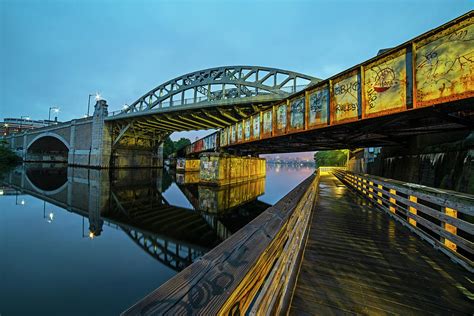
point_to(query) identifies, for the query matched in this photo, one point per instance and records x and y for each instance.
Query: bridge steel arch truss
(218, 97)
(229, 82)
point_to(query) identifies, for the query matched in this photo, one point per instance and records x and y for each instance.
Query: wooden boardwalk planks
(360, 261)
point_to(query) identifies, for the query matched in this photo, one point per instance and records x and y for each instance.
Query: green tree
(8, 158)
(331, 158)
(182, 142)
(168, 147)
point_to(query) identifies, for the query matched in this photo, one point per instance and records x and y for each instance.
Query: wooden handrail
(443, 218)
(251, 272)
(329, 169)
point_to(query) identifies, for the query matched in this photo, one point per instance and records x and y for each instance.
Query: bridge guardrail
(443, 218)
(327, 170)
(48, 127)
(178, 102)
(254, 271)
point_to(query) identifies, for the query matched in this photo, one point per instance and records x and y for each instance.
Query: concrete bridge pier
(442, 160)
(101, 142)
(222, 169)
(123, 144)
(134, 157)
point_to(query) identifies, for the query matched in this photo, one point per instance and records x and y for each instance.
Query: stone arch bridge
(133, 137)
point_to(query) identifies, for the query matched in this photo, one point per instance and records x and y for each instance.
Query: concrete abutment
(222, 169)
(444, 160)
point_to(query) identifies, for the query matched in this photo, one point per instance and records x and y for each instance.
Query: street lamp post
(97, 97)
(89, 104)
(55, 110)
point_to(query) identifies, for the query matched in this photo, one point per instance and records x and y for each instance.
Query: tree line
(332, 158)
(170, 146)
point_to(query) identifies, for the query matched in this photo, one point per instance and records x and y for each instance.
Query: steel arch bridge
(206, 99)
(221, 83)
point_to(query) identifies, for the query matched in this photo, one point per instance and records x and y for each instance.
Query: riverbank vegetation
(170, 146)
(8, 158)
(333, 158)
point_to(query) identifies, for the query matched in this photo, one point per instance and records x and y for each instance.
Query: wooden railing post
(450, 228)
(392, 200)
(379, 194)
(412, 209)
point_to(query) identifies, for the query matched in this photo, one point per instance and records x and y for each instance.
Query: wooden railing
(326, 170)
(254, 271)
(443, 218)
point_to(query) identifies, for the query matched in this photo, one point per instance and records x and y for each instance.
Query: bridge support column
(222, 169)
(443, 161)
(131, 148)
(72, 142)
(25, 143)
(187, 165)
(101, 145)
(133, 157)
(158, 161)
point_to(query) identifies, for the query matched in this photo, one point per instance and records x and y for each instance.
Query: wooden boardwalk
(358, 260)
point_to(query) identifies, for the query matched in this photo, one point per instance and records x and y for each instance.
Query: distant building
(16, 125)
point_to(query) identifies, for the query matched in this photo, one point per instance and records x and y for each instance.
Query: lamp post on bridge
(97, 98)
(55, 110)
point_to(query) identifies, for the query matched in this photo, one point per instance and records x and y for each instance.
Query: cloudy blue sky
(57, 52)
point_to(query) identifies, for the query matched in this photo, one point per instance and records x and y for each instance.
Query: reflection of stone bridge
(131, 201)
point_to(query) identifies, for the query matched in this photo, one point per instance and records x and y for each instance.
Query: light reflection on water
(84, 241)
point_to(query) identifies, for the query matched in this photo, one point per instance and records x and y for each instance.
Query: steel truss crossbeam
(229, 82)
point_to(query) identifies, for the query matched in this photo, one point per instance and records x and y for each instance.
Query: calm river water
(77, 241)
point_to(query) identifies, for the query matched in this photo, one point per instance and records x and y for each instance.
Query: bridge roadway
(358, 260)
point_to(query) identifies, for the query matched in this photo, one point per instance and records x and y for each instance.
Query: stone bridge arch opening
(47, 181)
(48, 148)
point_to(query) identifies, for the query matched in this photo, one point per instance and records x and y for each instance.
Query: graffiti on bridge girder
(445, 65)
(318, 106)
(385, 85)
(345, 98)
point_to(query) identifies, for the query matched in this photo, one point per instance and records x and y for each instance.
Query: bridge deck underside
(197, 117)
(390, 130)
(358, 260)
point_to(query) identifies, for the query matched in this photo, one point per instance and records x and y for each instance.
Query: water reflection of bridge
(225, 208)
(132, 201)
